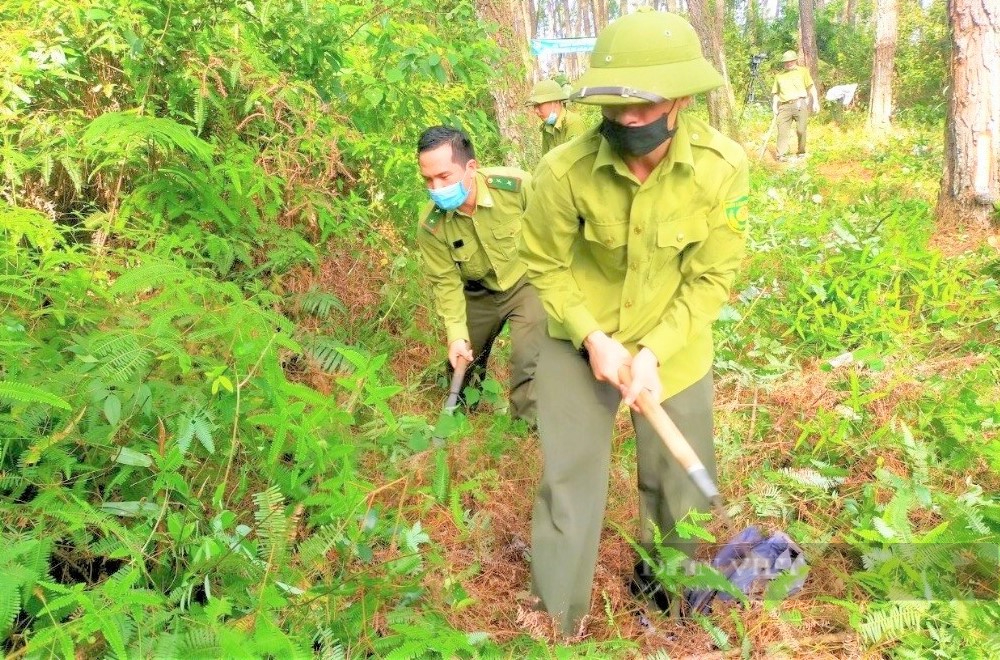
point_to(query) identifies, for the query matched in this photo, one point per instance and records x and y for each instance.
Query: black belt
(475, 286)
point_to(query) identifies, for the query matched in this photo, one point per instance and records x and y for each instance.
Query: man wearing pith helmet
(793, 93)
(559, 125)
(633, 236)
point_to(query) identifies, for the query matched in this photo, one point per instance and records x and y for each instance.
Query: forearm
(447, 288)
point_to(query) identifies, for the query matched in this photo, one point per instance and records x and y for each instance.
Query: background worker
(793, 94)
(469, 235)
(559, 124)
(633, 236)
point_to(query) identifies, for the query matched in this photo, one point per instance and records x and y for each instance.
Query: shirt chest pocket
(506, 238)
(607, 243)
(674, 237)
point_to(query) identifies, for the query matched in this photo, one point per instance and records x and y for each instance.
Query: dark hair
(461, 146)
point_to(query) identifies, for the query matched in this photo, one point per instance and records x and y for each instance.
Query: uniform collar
(483, 196)
(679, 152)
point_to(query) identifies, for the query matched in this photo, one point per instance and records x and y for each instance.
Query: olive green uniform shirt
(650, 264)
(792, 84)
(567, 126)
(457, 248)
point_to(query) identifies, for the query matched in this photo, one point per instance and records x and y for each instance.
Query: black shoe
(645, 585)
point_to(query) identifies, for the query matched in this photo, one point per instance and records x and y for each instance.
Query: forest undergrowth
(221, 378)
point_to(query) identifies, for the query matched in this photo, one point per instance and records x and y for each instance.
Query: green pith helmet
(645, 57)
(545, 91)
(789, 56)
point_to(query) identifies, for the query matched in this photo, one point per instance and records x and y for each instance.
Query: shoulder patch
(432, 219)
(737, 214)
(499, 182)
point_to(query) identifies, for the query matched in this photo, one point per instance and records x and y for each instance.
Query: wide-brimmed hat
(545, 91)
(648, 56)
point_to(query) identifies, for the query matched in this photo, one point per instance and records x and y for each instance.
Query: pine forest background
(220, 374)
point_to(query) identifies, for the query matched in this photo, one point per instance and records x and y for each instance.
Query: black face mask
(637, 140)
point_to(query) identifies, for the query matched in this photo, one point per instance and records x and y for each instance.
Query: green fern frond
(10, 600)
(168, 647)
(313, 551)
(272, 526)
(201, 643)
(327, 354)
(121, 356)
(120, 134)
(195, 424)
(151, 275)
(330, 647)
(894, 621)
(442, 476)
(25, 393)
(811, 478)
(320, 303)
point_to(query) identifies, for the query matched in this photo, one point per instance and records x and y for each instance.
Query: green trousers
(793, 114)
(575, 422)
(486, 314)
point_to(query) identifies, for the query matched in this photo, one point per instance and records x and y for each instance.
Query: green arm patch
(737, 214)
(508, 183)
(433, 221)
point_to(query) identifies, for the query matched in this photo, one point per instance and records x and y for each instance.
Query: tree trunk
(880, 109)
(970, 187)
(708, 18)
(509, 93)
(850, 15)
(807, 39)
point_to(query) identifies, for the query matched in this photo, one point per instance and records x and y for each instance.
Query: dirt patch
(838, 170)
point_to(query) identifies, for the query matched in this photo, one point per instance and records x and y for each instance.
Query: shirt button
(680, 236)
(628, 303)
(694, 136)
(638, 230)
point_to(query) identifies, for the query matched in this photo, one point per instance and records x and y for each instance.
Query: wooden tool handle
(672, 437)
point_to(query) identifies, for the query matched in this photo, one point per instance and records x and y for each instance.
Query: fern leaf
(328, 355)
(201, 643)
(24, 393)
(122, 133)
(313, 551)
(272, 526)
(193, 425)
(442, 476)
(320, 303)
(156, 274)
(894, 621)
(10, 601)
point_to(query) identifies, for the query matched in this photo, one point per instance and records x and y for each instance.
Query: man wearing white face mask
(559, 125)
(469, 236)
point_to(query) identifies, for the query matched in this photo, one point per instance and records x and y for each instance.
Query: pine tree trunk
(708, 18)
(509, 92)
(807, 39)
(880, 109)
(970, 187)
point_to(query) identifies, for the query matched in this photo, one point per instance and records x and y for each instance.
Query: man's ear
(684, 102)
(473, 165)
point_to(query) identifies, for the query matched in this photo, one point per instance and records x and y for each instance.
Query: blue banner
(562, 46)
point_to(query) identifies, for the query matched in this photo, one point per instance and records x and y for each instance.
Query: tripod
(757, 91)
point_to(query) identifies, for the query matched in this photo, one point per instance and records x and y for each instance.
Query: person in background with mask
(468, 236)
(559, 125)
(633, 236)
(793, 94)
